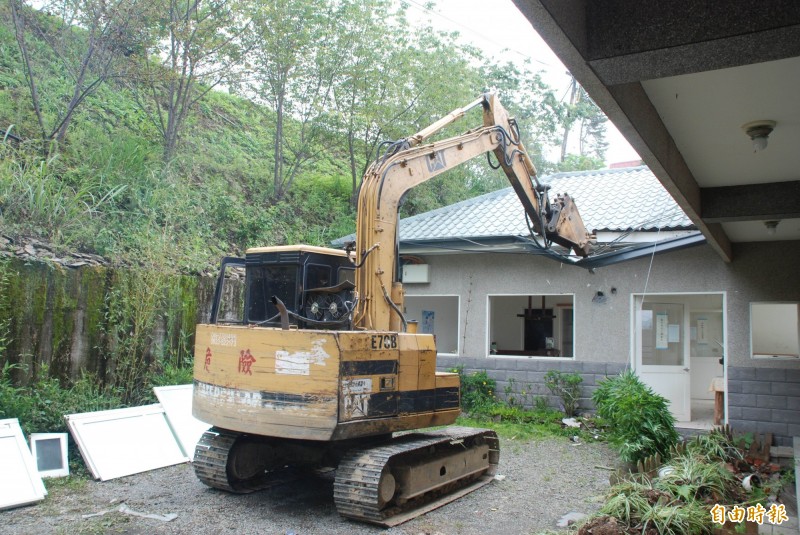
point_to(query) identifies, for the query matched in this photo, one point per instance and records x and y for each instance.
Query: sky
(497, 25)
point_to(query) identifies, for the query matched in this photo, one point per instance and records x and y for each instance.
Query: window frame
(559, 323)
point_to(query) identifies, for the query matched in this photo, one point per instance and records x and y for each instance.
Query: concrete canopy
(679, 80)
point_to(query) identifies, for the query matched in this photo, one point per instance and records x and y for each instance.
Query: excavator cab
(314, 284)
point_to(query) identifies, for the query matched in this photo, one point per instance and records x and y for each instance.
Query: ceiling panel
(704, 113)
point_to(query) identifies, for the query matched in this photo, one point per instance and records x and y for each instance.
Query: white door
(662, 353)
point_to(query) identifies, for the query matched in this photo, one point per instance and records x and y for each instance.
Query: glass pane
(347, 274)
(662, 334)
(231, 303)
(775, 330)
(318, 277)
(48, 455)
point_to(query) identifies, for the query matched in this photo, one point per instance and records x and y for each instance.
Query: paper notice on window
(674, 333)
(702, 331)
(662, 326)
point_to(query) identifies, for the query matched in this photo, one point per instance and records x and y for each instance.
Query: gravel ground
(543, 480)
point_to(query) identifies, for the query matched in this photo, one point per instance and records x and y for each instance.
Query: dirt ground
(539, 482)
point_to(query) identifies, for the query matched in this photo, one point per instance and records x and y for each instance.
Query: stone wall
(60, 317)
(765, 400)
(529, 374)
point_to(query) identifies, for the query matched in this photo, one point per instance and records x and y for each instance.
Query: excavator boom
(409, 164)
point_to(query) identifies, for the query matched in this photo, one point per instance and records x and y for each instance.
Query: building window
(531, 325)
(774, 329)
(436, 315)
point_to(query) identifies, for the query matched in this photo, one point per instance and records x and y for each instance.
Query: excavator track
(227, 460)
(415, 473)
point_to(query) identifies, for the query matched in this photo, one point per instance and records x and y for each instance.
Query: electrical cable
(650, 268)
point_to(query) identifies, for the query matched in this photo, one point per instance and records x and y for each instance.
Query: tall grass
(133, 309)
(32, 190)
(5, 310)
(41, 406)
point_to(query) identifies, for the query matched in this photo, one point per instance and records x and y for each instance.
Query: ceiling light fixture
(759, 131)
(771, 227)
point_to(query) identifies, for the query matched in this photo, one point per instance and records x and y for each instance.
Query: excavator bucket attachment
(566, 226)
(563, 224)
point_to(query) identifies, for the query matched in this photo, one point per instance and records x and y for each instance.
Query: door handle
(686, 369)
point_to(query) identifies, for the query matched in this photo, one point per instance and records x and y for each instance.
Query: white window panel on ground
(49, 450)
(122, 442)
(20, 483)
(177, 403)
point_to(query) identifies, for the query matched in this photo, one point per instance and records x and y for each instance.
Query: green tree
(369, 95)
(583, 112)
(88, 40)
(298, 53)
(535, 106)
(432, 76)
(193, 47)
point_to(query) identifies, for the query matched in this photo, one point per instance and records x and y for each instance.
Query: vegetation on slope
(101, 155)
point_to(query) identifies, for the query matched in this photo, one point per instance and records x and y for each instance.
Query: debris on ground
(570, 518)
(571, 422)
(169, 517)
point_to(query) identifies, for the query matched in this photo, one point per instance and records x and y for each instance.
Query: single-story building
(655, 298)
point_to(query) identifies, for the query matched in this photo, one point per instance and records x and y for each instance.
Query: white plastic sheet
(122, 442)
(20, 483)
(177, 403)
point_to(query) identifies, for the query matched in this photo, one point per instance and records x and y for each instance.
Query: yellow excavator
(315, 365)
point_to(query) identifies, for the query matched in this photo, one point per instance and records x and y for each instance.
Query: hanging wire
(650, 267)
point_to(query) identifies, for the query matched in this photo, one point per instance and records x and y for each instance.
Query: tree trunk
(19, 27)
(277, 180)
(568, 120)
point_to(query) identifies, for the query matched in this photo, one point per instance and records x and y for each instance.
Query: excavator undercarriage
(384, 481)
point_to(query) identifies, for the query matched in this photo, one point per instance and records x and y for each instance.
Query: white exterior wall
(602, 330)
(762, 395)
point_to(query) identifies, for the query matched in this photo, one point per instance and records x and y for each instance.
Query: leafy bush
(639, 419)
(169, 374)
(519, 394)
(477, 391)
(566, 386)
(41, 406)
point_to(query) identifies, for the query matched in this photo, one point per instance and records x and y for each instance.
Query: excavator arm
(409, 163)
